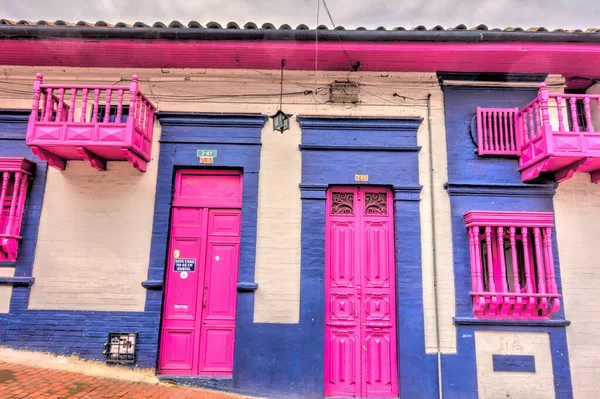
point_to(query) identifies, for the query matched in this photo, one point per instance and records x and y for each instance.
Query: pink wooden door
(198, 327)
(360, 321)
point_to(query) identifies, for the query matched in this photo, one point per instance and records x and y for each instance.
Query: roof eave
(458, 36)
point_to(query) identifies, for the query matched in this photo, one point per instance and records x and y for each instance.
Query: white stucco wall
(510, 384)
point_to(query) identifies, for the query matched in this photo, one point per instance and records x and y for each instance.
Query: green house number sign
(206, 156)
(206, 153)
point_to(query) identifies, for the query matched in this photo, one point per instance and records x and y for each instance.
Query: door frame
(395, 331)
(238, 205)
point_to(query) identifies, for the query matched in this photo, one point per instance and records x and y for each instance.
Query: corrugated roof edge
(215, 31)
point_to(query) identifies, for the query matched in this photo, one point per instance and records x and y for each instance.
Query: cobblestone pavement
(17, 381)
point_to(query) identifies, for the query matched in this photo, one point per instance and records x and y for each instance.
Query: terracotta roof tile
(270, 26)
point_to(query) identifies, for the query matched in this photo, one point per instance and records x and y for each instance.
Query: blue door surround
(334, 150)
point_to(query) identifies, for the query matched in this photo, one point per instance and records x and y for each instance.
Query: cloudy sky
(350, 13)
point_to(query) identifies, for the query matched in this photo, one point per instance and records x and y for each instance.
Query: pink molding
(573, 59)
(66, 124)
(15, 174)
(504, 218)
(518, 282)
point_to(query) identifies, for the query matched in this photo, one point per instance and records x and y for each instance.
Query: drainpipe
(434, 249)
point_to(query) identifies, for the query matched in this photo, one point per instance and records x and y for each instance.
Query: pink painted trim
(55, 136)
(557, 148)
(496, 131)
(571, 59)
(15, 172)
(501, 293)
(505, 219)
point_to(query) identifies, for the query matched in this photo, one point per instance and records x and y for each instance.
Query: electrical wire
(353, 67)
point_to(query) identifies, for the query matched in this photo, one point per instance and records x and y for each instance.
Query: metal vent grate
(120, 347)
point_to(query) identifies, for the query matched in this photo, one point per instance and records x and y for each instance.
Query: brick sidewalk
(18, 381)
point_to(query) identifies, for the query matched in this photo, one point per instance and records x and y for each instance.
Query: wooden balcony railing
(512, 264)
(558, 133)
(557, 137)
(93, 123)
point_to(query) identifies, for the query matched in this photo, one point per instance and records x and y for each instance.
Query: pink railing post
(588, 115)
(573, 102)
(49, 105)
(61, 101)
(561, 124)
(96, 105)
(73, 100)
(480, 134)
(119, 106)
(3, 193)
(133, 100)
(537, 118)
(515, 269)
(490, 260)
(107, 106)
(505, 136)
(500, 237)
(543, 98)
(20, 205)
(541, 275)
(84, 100)
(37, 91)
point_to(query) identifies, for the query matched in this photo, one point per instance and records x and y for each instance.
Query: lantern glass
(281, 121)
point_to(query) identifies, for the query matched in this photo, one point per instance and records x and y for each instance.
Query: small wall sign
(206, 156)
(184, 265)
(361, 177)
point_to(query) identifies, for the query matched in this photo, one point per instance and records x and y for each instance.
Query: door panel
(198, 326)
(182, 297)
(360, 330)
(343, 348)
(217, 356)
(178, 349)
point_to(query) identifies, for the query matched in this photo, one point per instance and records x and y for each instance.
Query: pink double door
(360, 321)
(198, 326)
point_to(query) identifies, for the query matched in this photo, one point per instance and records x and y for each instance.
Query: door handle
(204, 301)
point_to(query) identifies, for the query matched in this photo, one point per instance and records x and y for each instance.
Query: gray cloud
(552, 14)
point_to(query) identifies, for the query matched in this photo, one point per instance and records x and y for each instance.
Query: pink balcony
(512, 265)
(93, 123)
(553, 133)
(559, 144)
(15, 174)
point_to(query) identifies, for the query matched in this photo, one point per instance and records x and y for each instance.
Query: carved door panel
(360, 331)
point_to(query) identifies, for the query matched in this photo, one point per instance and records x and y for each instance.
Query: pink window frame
(539, 297)
(13, 196)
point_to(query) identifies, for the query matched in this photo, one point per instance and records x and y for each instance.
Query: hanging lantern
(281, 120)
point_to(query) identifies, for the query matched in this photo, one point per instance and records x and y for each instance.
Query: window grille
(15, 174)
(512, 264)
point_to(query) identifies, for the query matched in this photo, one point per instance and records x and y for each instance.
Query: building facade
(425, 228)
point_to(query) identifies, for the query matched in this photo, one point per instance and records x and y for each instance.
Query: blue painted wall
(334, 149)
(489, 183)
(237, 137)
